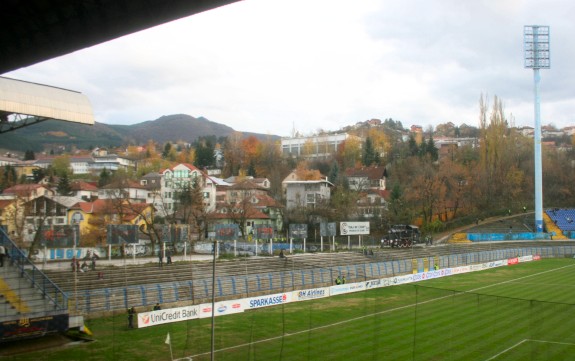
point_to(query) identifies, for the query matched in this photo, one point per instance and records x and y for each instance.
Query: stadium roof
(38, 30)
(39, 102)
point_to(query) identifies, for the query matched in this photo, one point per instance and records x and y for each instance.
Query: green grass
(520, 312)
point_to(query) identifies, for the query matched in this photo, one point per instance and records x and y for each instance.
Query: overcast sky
(269, 65)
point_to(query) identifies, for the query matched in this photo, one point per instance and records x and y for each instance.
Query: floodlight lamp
(536, 48)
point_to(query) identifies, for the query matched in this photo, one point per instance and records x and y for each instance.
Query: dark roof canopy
(38, 30)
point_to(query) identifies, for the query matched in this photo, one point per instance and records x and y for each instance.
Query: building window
(310, 198)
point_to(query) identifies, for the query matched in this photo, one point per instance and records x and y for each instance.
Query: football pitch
(519, 312)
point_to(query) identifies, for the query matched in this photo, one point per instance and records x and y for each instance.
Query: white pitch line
(370, 315)
(529, 340)
(507, 349)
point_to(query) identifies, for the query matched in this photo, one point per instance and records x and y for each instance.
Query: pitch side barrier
(222, 308)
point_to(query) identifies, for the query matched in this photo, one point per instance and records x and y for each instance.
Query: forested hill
(169, 128)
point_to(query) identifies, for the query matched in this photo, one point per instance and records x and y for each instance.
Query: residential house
(262, 182)
(8, 211)
(26, 192)
(248, 204)
(125, 189)
(46, 212)
(365, 178)
(25, 169)
(4, 161)
(372, 203)
(93, 217)
(87, 191)
(369, 182)
(152, 183)
(183, 176)
(307, 193)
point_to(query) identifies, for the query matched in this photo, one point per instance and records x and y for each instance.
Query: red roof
(5, 203)
(103, 206)
(83, 186)
(23, 189)
(265, 200)
(374, 172)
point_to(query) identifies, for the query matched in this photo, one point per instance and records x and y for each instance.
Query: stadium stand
(564, 219)
(184, 282)
(32, 304)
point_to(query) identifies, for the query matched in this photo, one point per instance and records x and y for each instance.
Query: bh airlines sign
(353, 228)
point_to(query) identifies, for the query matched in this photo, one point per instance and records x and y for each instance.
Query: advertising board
(154, 318)
(353, 228)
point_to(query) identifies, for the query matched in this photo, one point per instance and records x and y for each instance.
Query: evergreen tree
(205, 154)
(333, 173)
(29, 155)
(7, 177)
(64, 187)
(412, 145)
(432, 149)
(38, 174)
(376, 158)
(252, 169)
(167, 149)
(105, 178)
(368, 153)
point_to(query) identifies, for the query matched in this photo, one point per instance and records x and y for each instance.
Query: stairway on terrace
(18, 298)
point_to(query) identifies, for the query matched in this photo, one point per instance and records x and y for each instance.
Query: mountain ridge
(53, 134)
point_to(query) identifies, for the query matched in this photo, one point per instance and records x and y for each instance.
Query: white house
(307, 193)
(177, 178)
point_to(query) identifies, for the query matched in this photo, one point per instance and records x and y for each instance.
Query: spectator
(168, 256)
(282, 255)
(2, 255)
(75, 264)
(131, 313)
(161, 257)
(157, 307)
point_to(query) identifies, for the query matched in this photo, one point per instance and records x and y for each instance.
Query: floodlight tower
(537, 56)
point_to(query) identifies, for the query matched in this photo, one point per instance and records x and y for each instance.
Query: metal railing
(37, 278)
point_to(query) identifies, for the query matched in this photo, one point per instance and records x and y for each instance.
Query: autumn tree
(381, 142)
(269, 163)
(427, 189)
(304, 173)
(61, 165)
(249, 150)
(8, 177)
(170, 152)
(190, 208)
(349, 153)
(233, 154)
(501, 179)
